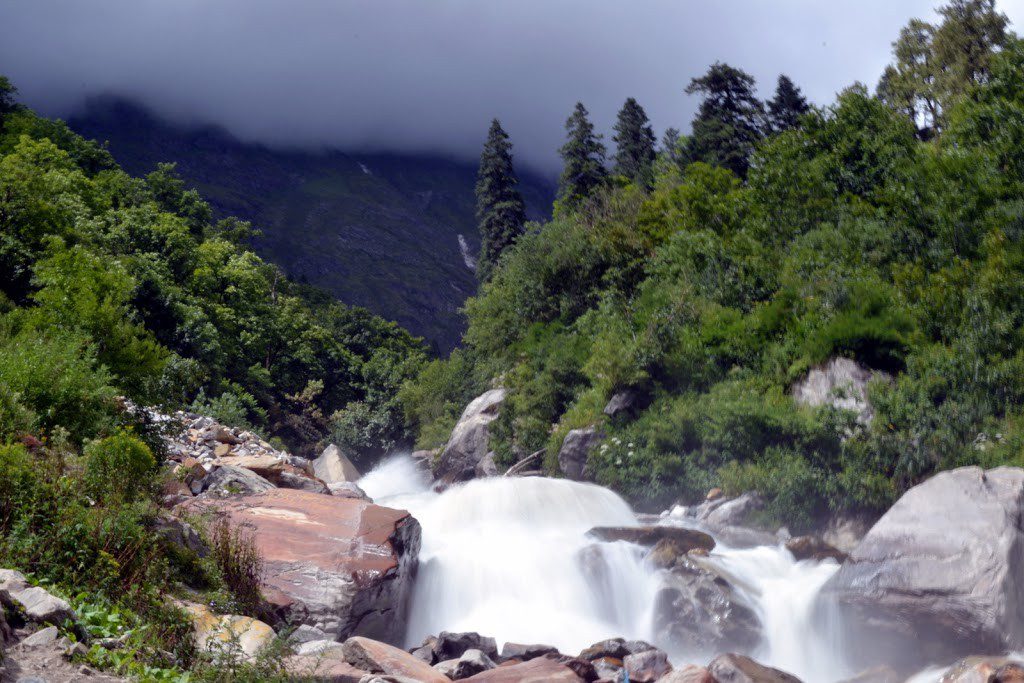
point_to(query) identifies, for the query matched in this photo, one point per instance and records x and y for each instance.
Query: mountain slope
(386, 231)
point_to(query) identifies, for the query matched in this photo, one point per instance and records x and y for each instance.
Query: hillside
(382, 231)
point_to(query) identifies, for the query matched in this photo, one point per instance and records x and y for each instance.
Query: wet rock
(486, 467)
(341, 565)
(525, 653)
(844, 533)
(877, 674)
(225, 481)
(938, 575)
(689, 539)
(727, 512)
(471, 662)
(841, 383)
(328, 666)
(334, 467)
(690, 673)
(813, 548)
(453, 645)
(228, 635)
(622, 403)
(646, 666)
(733, 668)
(470, 440)
(581, 667)
(574, 455)
(533, 671)
(697, 610)
(306, 634)
(977, 669)
(379, 658)
(609, 668)
(426, 650)
(613, 647)
(447, 667)
(36, 604)
(346, 489)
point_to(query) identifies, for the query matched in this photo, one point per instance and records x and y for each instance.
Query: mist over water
(504, 557)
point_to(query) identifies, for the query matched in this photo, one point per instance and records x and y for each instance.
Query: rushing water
(501, 556)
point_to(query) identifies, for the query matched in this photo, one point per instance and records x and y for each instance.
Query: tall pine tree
(500, 211)
(634, 143)
(729, 121)
(583, 157)
(788, 105)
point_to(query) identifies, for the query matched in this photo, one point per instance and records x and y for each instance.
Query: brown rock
(328, 666)
(222, 450)
(334, 467)
(714, 494)
(613, 647)
(813, 548)
(339, 564)
(539, 670)
(278, 472)
(647, 666)
(733, 668)
(980, 670)
(650, 535)
(1009, 673)
(524, 652)
(380, 658)
(691, 673)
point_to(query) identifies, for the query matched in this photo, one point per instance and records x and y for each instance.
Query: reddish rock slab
(537, 670)
(380, 658)
(342, 565)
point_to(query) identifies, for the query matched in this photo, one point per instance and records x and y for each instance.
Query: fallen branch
(517, 469)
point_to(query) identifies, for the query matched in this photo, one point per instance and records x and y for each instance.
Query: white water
(501, 556)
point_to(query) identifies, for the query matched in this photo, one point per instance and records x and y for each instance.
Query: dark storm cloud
(427, 75)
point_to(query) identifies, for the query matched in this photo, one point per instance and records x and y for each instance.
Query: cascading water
(506, 557)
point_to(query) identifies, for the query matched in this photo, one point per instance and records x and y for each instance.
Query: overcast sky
(428, 75)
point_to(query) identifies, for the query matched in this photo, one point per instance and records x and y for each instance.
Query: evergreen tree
(670, 143)
(788, 105)
(729, 121)
(500, 210)
(583, 157)
(634, 142)
(7, 101)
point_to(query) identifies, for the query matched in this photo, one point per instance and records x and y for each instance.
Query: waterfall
(509, 558)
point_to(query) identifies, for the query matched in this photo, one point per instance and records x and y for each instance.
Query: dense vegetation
(770, 241)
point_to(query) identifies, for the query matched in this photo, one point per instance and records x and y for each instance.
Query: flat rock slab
(538, 670)
(341, 565)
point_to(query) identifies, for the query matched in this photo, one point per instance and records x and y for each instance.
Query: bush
(240, 565)
(119, 468)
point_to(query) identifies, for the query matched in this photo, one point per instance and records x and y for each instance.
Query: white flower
(631, 454)
(618, 461)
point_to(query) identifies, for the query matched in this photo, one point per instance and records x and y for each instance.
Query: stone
(180, 533)
(379, 658)
(228, 634)
(35, 603)
(525, 653)
(691, 673)
(334, 467)
(305, 633)
(346, 489)
(222, 450)
(841, 383)
(613, 647)
(219, 433)
(647, 666)
(938, 575)
(425, 651)
(732, 511)
(315, 647)
(714, 494)
(651, 535)
(277, 471)
(733, 668)
(539, 670)
(471, 662)
(813, 548)
(42, 638)
(697, 609)
(622, 403)
(447, 667)
(486, 467)
(469, 442)
(844, 533)
(326, 666)
(581, 667)
(341, 565)
(452, 645)
(225, 480)
(574, 455)
(877, 674)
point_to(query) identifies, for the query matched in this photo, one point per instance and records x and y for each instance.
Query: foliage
(729, 120)
(500, 210)
(583, 157)
(634, 143)
(118, 467)
(236, 556)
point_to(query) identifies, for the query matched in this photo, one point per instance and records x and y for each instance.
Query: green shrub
(240, 564)
(119, 468)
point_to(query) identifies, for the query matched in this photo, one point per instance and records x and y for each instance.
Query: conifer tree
(634, 143)
(788, 105)
(500, 210)
(729, 121)
(7, 101)
(583, 157)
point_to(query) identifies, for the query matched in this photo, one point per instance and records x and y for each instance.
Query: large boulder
(470, 440)
(450, 645)
(334, 467)
(35, 604)
(574, 455)
(228, 635)
(342, 565)
(227, 480)
(278, 471)
(539, 670)
(647, 666)
(841, 383)
(698, 610)
(938, 576)
(685, 539)
(380, 658)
